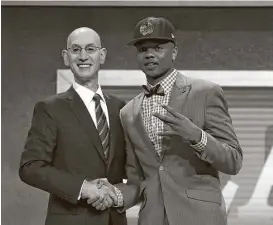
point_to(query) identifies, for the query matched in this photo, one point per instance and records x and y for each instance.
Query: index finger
(172, 111)
(165, 118)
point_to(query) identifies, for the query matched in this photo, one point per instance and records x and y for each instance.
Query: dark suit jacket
(63, 148)
(182, 184)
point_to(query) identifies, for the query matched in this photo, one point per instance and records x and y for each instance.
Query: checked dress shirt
(153, 104)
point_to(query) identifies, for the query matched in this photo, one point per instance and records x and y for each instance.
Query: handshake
(100, 193)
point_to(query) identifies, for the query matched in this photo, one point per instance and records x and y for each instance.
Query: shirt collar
(86, 94)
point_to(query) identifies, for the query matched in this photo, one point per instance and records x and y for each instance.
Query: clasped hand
(100, 193)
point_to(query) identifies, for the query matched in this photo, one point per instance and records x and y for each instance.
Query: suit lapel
(80, 111)
(178, 99)
(113, 119)
(179, 93)
(140, 127)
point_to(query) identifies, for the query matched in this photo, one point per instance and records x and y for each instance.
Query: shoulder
(200, 85)
(128, 108)
(53, 101)
(206, 90)
(130, 104)
(114, 98)
(203, 85)
(121, 103)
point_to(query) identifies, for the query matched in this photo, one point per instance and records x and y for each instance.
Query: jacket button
(161, 168)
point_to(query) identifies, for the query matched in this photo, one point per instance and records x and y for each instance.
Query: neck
(91, 84)
(155, 80)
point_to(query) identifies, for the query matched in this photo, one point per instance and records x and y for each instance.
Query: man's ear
(103, 53)
(174, 53)
(65, 57)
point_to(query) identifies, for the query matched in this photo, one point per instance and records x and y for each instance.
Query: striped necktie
(102, 126)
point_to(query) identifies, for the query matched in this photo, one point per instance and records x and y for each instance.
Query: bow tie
(156, 90)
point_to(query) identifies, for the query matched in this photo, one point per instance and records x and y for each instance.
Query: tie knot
(155, 90)
(97, 98)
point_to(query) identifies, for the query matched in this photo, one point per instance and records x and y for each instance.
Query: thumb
(105, 182)
(104, 179)
(113, 197)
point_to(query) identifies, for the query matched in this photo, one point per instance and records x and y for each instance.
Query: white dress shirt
(87, 97)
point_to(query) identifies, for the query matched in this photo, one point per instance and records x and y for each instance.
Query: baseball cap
(153, 28)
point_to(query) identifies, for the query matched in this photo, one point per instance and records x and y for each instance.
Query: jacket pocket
(205, 195)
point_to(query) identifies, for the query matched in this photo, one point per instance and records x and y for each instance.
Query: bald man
(75, 139)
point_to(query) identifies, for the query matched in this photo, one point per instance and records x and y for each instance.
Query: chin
(153, 74)
(84, 76)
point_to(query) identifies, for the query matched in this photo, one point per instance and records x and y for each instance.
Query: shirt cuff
(80, 194)
(200, 146)
(119, 196)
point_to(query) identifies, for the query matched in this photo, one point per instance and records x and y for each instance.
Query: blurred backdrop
(209, 39)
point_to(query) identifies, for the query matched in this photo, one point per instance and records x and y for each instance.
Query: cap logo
(146, 28)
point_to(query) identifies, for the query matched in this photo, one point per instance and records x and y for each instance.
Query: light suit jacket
(186, 185)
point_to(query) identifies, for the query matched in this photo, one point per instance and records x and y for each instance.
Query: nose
(83, 55)
(149, 53)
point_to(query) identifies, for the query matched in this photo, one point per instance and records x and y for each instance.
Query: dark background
(32, 41)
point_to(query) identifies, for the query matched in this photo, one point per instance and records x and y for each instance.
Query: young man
(178, 135)
(75, 138)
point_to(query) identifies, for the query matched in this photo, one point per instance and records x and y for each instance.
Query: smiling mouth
(84, 65)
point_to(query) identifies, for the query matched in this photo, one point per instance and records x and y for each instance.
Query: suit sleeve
(222, 150)
(132, 190)
(37, 168)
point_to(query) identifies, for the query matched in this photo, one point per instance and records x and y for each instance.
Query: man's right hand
(91, 192)
(97, 194)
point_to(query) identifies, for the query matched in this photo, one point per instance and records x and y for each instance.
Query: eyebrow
(91, 44)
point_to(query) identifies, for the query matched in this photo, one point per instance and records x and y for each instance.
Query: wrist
(119, 195)
(196, 138)
(200, 146)
(84, 189)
